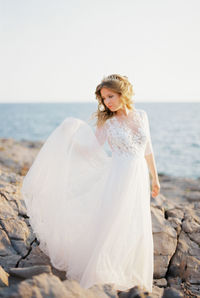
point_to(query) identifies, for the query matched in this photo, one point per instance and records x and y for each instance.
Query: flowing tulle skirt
(91, 212)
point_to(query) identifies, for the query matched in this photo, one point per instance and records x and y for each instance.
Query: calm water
(175, 129)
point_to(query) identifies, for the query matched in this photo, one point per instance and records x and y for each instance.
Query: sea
(174, 127)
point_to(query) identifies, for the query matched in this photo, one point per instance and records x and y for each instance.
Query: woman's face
(111, 99)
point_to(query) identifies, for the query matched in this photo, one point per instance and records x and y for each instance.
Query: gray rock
(157, 292)
(186, 261)
(175, 223)
(42, 285)
(175, 212)
(3, 277)
(37, 257)
(165, 241)
(6, 210)
(9, 261)
(28, 272)
(76, 291)
(160, 282)
(172, 293)
(16, 228)
(193, 196)
(6, 248)
(21, 247)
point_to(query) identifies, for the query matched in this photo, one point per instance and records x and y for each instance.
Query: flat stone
(161, 282)
(28, 272)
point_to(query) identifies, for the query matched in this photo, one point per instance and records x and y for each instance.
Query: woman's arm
(152, 166)
(149, 156)
(154, 175)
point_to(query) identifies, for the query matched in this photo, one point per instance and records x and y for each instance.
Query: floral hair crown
(112, 78)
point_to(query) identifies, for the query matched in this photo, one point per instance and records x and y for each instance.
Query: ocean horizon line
(87, 102)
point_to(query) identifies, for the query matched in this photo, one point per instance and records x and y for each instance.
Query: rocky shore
(25, 271)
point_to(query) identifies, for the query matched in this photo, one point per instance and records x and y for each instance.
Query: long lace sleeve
(101, 134)
(149, 147)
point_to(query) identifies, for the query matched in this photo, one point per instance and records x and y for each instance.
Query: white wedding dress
(91, 211)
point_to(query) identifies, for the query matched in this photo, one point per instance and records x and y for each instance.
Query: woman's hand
(155, 188)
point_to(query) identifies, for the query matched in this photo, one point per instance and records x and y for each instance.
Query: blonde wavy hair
(118, 84)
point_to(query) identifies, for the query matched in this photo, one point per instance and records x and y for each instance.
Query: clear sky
(60, 50)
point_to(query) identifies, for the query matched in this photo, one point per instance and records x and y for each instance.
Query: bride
(91, 211)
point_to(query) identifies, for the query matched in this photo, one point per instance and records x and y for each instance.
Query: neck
(123, 111)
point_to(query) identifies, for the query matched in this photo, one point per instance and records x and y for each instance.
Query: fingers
(155, 191)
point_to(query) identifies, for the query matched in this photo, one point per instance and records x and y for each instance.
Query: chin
(112, 109)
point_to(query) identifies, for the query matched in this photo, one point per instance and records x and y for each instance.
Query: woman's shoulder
(141, 112)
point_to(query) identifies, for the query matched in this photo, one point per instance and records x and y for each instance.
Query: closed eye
(108, 96)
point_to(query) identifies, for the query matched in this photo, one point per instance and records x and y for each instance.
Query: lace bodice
(130, 137)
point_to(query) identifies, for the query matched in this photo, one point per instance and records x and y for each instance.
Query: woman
(91, 211)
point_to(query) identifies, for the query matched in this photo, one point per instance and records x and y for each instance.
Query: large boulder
(165, 241)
